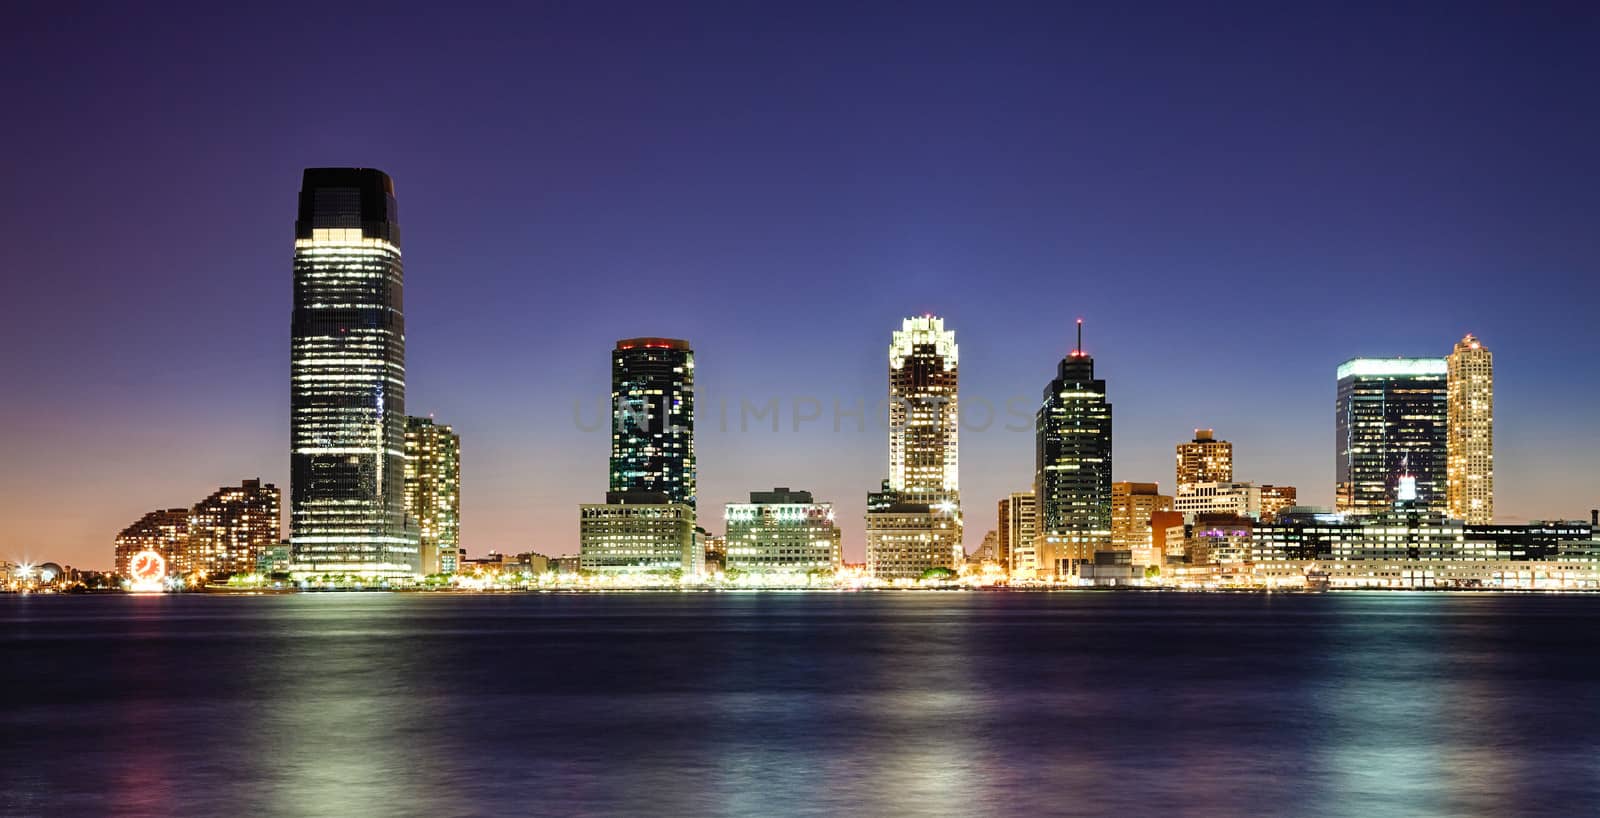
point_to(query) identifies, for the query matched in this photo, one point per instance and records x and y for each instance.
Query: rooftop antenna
(1077, 351)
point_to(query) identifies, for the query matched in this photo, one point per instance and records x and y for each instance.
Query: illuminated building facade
(1470, 450)
(1274, 499)
(637, 532)
(1391, 418)
(347, 380)
(165, 531)
(1020, 524)
(782, 532)
(433, 492)
(1132, 505)
(652, 434)
(914, 524)
(230, 530)
(1204, 460)
(1072, 474)
(1243, 499)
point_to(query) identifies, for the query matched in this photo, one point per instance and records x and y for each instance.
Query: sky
(1235, 197)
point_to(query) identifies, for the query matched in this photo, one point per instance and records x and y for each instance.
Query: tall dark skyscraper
(1392, 418)
(652, 433)
(1073, 465)
(348, 381)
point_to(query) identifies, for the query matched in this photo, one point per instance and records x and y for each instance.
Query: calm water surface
(801, 704)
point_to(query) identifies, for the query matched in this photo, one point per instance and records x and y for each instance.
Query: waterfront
(800, 703)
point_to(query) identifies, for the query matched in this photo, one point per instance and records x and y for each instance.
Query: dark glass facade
(1073, 467)
(652, 432)
(347, 380)
(1391, 420)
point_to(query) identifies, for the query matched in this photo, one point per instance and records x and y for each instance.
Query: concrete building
(1204, 460)
(230, 530)
(1470, 447)
(782, 532)
(1243, 499)
(635, 533)
(1132, 505)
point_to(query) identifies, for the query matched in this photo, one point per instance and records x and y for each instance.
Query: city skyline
(1329, 235)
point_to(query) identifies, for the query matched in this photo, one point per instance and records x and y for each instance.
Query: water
(800, 704)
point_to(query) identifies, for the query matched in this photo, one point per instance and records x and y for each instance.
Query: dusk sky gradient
(1235, 198)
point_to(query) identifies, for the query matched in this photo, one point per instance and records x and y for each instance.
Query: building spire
(1077, 351)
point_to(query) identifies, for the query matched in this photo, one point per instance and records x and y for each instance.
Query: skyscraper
(347, 380)
(433, 492)
(1204, 460)
(231, 529)
(914, 524)
(652, 434)
(924, 432)
(1470, 451)
(1073, 465)
(1391, 416)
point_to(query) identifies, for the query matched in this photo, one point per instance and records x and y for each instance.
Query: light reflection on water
(747, 704)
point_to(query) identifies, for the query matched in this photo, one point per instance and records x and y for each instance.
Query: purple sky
(1235, 199)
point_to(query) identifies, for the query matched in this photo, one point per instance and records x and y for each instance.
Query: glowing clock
(148, 569)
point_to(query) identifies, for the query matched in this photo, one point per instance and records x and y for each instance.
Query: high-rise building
(1274, 499)
(914, 524)
(782, 532)
(348, 381)
(1132, 504)
(1023, 531)
(164, 531)
(652, 434)
(637, 532)
(1470, 451)
(433, 492)
(1073, 465)
(1204, 460)
(924, 432)
(1241, 499)
(231, 529)
(1021, 527)
(1391, 418)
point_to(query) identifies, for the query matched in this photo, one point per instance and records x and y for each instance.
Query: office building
(1274, 499)
(914, 523)
(638, 532)
(1020, 525)
(1391, 419)
(782, 532)
(433, 492)
(1470, 447)
(652, 435)
(1243, 499)
(1072, 466)
(1132, 505)
(347, 381)
(1204, 460)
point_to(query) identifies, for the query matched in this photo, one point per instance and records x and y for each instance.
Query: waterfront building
(1243, 499)
(906, 540)
(230, 530)
(635, 533)
(986, 550)
(1274, 499)
(1204, 460)
(1391, 420)
(1021, 532)
(1132, 505)
(1221, 538)
(164, 531)
(433, 492)
(1167, 537)
(782, 532)
(347, 380)
(716, 548)
(652, 434)
(1470, 446)
(1072, 466)
(914, 523)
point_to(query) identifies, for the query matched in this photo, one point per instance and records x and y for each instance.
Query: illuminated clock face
(148, 566)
